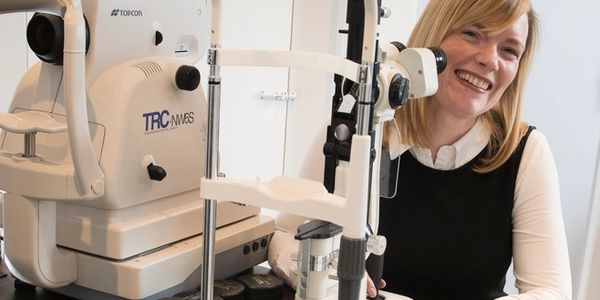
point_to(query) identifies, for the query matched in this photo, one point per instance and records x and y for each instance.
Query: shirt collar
(449, 157)
(471, 144)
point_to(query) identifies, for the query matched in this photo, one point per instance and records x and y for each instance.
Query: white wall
(13, 58)
(252, 130)
(15, 55)
(317, 31)
(590, 279)
(563, 101)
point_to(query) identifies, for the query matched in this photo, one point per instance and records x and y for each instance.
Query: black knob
(398, 94)
(440, 58)
(156, 172)
(187, 78)
(158, 38)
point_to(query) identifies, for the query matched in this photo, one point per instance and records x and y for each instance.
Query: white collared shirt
(448, 157)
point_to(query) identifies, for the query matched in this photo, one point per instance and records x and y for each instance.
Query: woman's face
(481, 65)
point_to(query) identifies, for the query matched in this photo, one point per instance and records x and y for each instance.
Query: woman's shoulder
(537, 151)
(536, 140)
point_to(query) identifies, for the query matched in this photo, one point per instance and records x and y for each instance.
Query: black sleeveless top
(449, 233)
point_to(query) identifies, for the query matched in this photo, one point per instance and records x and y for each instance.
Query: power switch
(156, 172)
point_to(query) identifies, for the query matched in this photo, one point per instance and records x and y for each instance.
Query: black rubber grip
(375, 270)
(351, 267)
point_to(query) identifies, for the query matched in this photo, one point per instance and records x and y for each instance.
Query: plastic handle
(88, 176)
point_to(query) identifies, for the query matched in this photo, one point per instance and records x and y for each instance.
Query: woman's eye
(470, 34)
(512, 52)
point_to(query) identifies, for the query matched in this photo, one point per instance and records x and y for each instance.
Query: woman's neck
(445, 129)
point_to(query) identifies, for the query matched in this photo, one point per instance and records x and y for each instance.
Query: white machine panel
(183, 24)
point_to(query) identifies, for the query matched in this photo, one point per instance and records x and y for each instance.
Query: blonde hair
(440, 19)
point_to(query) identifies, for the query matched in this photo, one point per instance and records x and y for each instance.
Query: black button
(246, 250)
(264, 243)
(255, 246)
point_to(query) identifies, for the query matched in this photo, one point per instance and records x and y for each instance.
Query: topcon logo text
(126, 13)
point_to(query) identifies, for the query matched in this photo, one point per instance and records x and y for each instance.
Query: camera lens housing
(45, 36)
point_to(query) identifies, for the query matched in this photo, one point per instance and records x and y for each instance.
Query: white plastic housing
(48, 6)
(122, 31)
(416, 64)
(121, 102)
(132, 114)
(30, 243)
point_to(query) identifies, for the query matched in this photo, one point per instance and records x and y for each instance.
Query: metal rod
(364, 98)
(29, 148)
(212, 150)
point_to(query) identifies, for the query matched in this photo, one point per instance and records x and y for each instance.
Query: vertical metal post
(212, 150)
(363, 117)
(303, 269)
(29, 147)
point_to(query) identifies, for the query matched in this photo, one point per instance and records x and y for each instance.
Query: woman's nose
(487, 57)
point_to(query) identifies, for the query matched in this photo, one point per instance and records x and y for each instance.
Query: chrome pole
(365, 77)
(212, 150)
(29, 148)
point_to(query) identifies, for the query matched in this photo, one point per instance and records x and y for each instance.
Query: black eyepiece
(440, 58)
(45, 36)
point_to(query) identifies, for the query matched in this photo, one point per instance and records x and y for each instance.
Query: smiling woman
(485, 32)
(477, 187)
(481, 65)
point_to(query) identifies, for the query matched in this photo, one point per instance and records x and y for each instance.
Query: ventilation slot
(149, 68)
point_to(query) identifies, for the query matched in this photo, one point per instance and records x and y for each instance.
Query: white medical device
(348, 205)
(102, 156)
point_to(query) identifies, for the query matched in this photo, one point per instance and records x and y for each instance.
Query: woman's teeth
(473, 80)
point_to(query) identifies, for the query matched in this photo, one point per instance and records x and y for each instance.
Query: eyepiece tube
(440, 58)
